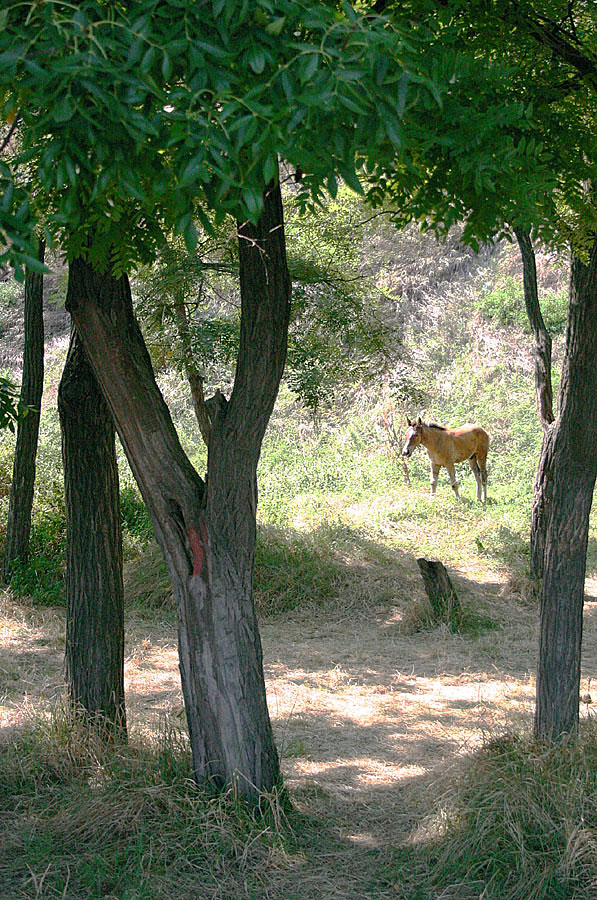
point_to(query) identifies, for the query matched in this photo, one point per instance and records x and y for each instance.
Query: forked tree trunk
(207, 533)
(544, 398)
(573, 469)
(18, 527)
(93, 581)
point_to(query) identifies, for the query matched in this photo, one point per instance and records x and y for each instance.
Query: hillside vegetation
(404, 745)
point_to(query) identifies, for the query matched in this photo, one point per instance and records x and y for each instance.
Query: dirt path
(364, 715)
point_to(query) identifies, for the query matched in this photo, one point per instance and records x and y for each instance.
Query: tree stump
(444, 601)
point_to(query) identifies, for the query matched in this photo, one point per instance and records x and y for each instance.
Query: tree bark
(93, 580)
(573, 468)
(18, 528)
(206, 532)
(542, 506)
(440, 590)
(544, 398)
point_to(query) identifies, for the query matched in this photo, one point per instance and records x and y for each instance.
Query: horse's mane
(435, 425)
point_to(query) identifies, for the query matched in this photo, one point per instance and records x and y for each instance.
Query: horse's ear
(419, 421)
(409, 421)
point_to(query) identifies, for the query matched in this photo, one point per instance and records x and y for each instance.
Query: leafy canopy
(524, 144)
(131, 114)
(135, 117)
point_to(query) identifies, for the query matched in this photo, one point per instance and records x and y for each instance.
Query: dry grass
(515, 821)
(368, 719)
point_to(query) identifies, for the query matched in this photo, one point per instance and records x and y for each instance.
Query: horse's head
(413, 436)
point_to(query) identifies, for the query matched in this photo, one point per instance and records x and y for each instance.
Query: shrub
(504, 306)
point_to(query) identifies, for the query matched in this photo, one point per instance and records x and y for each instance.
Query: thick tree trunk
(573, 467)
(94, 587)
(18, 528)
(544, 395)
(207, 534)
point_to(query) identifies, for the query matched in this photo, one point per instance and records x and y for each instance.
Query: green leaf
(332, 184)
(349, 11)
(309, 66)
(191, 237)
(350, 75)
(148, 59)
(166, 66)
(206, 222)
(257, 60)
(70, 170)
(393, 132)
(402, 90)
(275, 26)
(213, 50)
(135, 52)
(64, 110)
(182, 223)
(34, 264)
(352, 104)
(7, 197)
(192, 170)
(253, 200)
(286, 85)
(270, 168)
(381, 70)
(351, 179)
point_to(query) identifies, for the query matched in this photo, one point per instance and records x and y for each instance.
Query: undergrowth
(517, 822)
(81, 822)
(505, 306)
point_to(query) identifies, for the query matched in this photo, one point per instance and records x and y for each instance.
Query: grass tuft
(85, 822)
(518, 822)
(419, 616)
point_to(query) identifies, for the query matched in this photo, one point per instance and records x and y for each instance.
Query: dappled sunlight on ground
(362, 712)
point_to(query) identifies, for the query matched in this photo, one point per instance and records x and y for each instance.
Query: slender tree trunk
(207, 534)
(542, 349)
(573, 469)
(93, 580)
(193, 375)
(18, 528)
(544, 396)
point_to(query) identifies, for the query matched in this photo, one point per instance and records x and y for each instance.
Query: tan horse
(446, 446)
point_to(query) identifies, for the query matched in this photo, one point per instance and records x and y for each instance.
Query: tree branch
(564, 45)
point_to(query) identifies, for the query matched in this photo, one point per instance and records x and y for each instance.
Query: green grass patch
(330, 567)
(137, 530)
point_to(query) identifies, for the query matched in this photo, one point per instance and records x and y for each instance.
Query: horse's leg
(477, 473)
(434, 476)
(482, 461)
(483, 467)
(452, 474)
